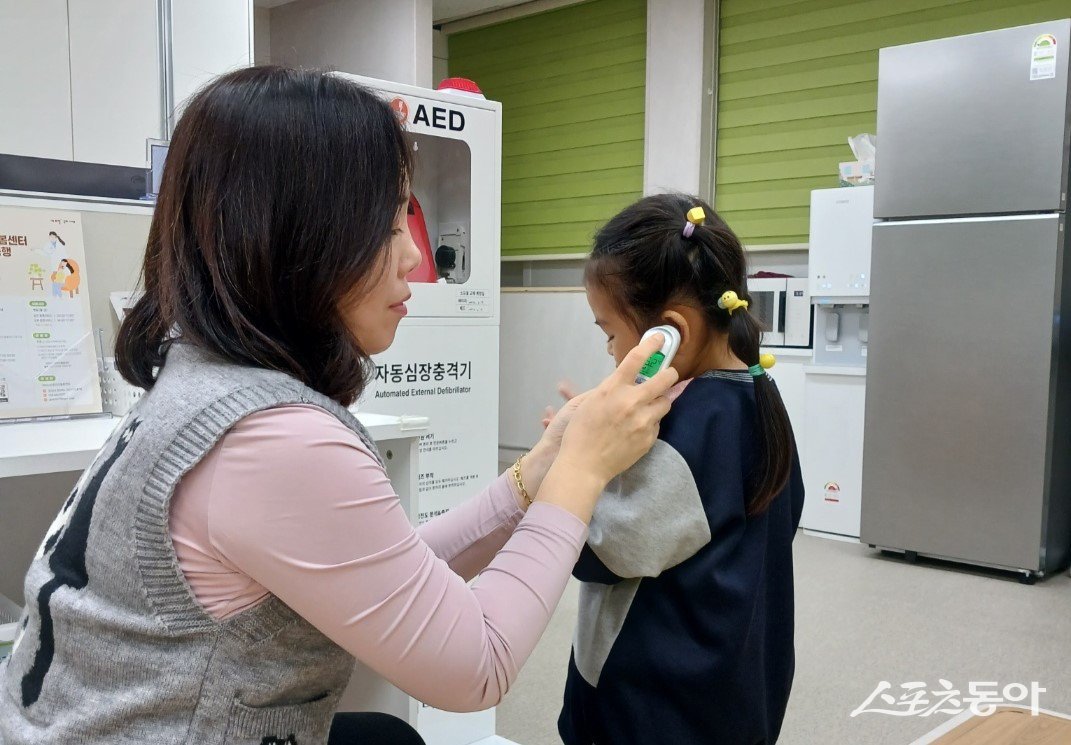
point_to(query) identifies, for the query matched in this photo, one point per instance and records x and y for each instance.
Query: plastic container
(9, 624)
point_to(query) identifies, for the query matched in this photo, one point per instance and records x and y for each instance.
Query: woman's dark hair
(62, 242)
(276, 209)
(643, 261)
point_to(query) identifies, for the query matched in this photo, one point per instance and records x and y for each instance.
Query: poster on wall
(450, 375)
(48, 357)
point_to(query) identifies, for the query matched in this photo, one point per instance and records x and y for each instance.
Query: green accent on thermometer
(652, 365)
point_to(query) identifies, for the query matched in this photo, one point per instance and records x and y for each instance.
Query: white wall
(261, 36)
(440, 63)
(115, 80)
(386, 39)
(208, 38)
(678, 132)
(546, 337)
(35, 79)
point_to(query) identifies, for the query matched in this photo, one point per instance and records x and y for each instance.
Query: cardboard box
(1008, 725)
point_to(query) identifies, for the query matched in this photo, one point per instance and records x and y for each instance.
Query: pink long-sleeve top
(291, 503)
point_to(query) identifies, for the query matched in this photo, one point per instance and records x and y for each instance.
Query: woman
(72, 279)
(237, 543)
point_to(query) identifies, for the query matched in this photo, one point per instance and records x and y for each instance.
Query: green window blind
(571, 82)
(796, 78)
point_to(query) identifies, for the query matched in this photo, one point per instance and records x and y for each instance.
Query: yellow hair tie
(695, 216)
(767, 361)
(730, 301)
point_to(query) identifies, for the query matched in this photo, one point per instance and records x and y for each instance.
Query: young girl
(686, 604)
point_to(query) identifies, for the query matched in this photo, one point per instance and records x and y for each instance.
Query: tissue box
(856, 173)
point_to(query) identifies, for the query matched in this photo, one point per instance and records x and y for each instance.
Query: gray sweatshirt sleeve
(650, 518)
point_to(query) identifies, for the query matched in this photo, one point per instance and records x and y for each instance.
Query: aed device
(661, 359)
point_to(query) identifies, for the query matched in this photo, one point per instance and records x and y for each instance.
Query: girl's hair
(62, 242)
(276, 209)
(643, 262)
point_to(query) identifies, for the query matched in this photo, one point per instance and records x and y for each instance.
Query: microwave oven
(783, 305)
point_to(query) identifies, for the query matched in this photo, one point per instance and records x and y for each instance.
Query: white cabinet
(35, 82)
(115, 80)
(833, 451)
(86, 80)
(840, 238)
(208, 38)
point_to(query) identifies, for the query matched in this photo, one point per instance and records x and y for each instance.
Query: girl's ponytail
(772, 470)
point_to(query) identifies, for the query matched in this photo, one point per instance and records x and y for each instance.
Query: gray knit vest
(115, 649)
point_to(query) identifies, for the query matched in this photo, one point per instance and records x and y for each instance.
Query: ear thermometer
(661, 359)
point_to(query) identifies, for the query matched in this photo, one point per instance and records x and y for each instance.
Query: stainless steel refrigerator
(967, 443)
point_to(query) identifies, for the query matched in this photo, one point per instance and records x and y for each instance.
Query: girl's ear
(678, 320)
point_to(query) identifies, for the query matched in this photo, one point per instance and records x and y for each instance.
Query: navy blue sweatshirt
(685, 633)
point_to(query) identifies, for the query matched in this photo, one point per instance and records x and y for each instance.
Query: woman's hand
(608, 430)
(555, 422)
(568, 393)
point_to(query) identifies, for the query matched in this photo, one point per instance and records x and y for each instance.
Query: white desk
(61, 445)
(32, 448)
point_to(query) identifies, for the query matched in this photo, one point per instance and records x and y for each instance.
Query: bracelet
(520, 484)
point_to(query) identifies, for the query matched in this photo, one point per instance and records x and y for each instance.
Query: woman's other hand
(607, 430)
(556, 420)
(537, 462)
